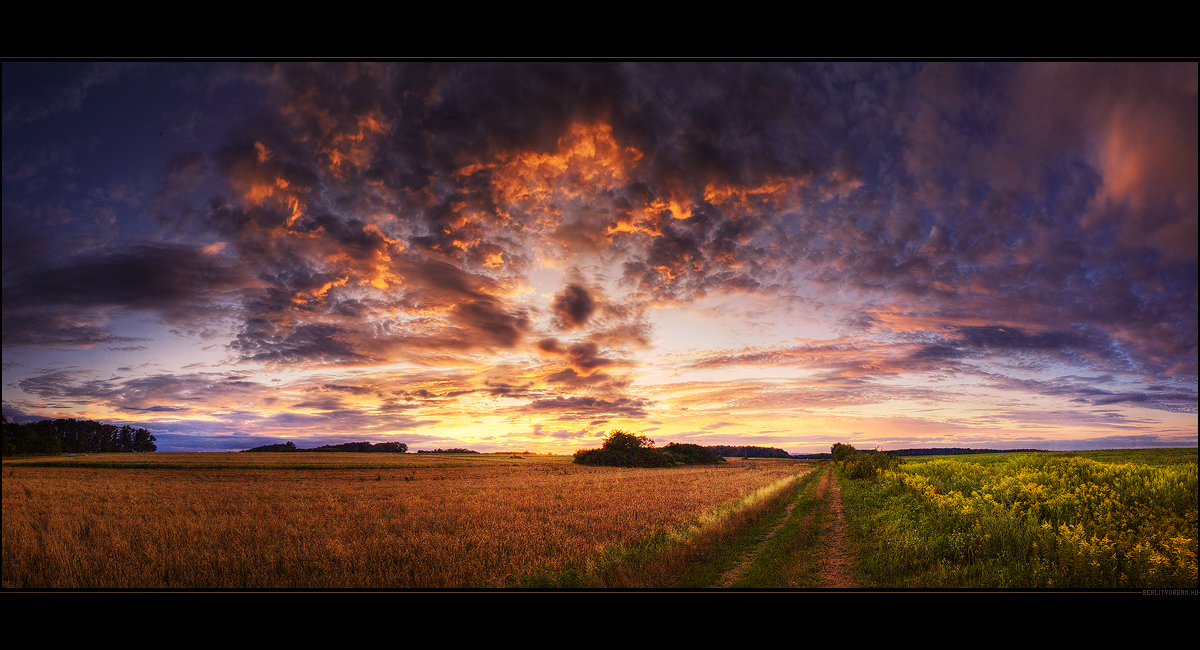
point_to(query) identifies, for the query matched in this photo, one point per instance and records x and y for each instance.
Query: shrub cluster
(863, 464)
(625, 449)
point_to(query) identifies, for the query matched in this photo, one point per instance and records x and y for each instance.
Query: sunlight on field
(446, 521)
(294, 460)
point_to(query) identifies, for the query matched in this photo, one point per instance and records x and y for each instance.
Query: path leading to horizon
(836, 563)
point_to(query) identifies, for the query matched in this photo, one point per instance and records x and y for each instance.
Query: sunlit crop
(447, 522)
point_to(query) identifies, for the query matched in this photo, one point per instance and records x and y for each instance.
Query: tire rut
(836, 560)
(733, 575)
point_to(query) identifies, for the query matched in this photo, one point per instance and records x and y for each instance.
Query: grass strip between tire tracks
(791, 557)
(692, 558)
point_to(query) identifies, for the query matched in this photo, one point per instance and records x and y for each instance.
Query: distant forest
(400, 447)
(933, 451)
(954, 451)
(73, 437)
(360, 447)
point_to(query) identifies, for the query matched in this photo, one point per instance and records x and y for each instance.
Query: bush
(688, 454)
(625, 449)
(841, 452)
(863, 464)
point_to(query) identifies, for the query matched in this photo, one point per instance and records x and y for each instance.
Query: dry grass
(450, 522)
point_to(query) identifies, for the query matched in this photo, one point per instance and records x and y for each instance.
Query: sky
(524, 256)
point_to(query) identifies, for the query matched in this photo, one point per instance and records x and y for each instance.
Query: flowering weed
(1027, 520)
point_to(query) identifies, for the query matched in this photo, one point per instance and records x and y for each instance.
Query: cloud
(573, 306)
(518, 225)
(66, 304)
(590, 407)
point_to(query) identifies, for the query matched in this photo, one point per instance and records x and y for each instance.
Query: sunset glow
(525, 256)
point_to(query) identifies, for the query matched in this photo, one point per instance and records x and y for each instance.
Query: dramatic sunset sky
(524, 256)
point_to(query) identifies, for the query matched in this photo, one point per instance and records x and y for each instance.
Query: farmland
(1106, 519)
(348, 520)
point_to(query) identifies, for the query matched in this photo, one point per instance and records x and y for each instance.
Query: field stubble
(437, 523)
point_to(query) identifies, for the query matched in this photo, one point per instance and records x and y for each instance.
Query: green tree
(841, 452)
(625, 441)
(624, 449)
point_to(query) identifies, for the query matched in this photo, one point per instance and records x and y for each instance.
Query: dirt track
(835, 565)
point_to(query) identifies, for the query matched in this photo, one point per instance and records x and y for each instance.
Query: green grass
(679, 560)
(1154, 457)
(790, 559)
(1110, 519)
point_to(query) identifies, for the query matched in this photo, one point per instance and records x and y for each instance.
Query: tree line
(379, 447)
(71, 436)
(747, 451)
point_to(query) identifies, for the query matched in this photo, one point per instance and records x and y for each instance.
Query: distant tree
(143, 441)
(125, 438)
(842, 451)
(624, 441)
(33, 439)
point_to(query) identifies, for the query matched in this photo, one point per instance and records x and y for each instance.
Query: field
(1111, 519)
(356, 520)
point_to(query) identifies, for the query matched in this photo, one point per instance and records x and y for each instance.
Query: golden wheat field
(335, 521)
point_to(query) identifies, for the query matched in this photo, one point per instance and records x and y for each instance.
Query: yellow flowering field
(278, 521)
(1028, 520)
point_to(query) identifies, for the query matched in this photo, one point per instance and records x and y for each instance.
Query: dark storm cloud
(905, 180)
(1002, 338)
(975, 342)
(262, 340)
(966, 216)
(1100, 391)
(50, 327)
(147, 276)
(52, 305)
(510, 107)
(573, 306)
